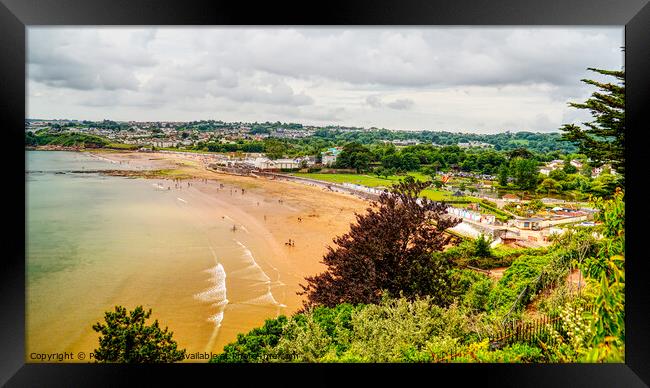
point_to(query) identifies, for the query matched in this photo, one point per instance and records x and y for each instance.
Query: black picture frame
(16, 15)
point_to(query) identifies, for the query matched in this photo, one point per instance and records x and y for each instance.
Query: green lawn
(374, 181)
(359, 179)
(519, 142)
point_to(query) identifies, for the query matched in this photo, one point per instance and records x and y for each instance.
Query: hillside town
(246, 149)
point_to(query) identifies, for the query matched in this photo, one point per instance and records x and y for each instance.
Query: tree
(535, 205)
(503, 175)
(391, 160)
(482, 246)
(436, 165)
(389, 249)
(525, 172)
(275, 149)
(558, 175)
(126, 339)
(520, 153)
(569, 168)
(409, 162)
(354, 155)
(430, 171)
(549, 185)
(603, 140)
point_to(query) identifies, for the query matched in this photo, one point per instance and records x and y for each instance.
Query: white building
(473, 143)
(329, 160)
(328, 157)
(163, 144)
(268, 164)
(576, 164)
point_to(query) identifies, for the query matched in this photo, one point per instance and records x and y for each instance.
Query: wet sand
(265, 215)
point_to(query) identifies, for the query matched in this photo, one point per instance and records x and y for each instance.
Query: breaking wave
(216, 295)
(253, 271)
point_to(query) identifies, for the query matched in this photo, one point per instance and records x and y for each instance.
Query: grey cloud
(401, 104)
(373, 101)
(322, 73)
(81, 59)
(83, 78)
(421, 57)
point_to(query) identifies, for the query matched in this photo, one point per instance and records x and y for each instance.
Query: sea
(95, 241)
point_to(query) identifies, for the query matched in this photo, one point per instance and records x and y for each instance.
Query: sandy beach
(265, 215)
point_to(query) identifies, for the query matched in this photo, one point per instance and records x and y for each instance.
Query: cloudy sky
(474, 79)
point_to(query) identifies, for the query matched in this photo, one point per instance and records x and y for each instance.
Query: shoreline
(266, 214)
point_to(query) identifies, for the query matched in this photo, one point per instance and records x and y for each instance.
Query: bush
(523, 273)
(482, 246)
(253, 347)
(511, 354)
(478, 293)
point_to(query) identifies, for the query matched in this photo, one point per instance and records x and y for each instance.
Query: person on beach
(234, 228)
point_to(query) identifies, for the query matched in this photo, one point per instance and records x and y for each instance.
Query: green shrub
(477, 296)
(516, 353)
(482, 246)
(253, 347)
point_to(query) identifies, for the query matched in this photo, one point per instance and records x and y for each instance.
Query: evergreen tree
(603, 140)
(126, 339)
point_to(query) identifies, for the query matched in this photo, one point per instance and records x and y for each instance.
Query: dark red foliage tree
(389, 249)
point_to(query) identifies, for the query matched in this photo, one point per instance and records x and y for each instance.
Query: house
(477, 144)
(329, 157)
(552, 165)
(268, 164)
(528, 223)
(163, 144)
(407, 142)
(510, 197)
(287, 163)
(577, 164)
(599, 170)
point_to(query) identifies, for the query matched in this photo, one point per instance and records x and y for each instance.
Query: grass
(167, 173)
(359, 179)
(184, 150)
(374, 181)
(519, 142)
(122, 146)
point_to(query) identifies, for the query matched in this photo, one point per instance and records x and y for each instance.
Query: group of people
(290, 243)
